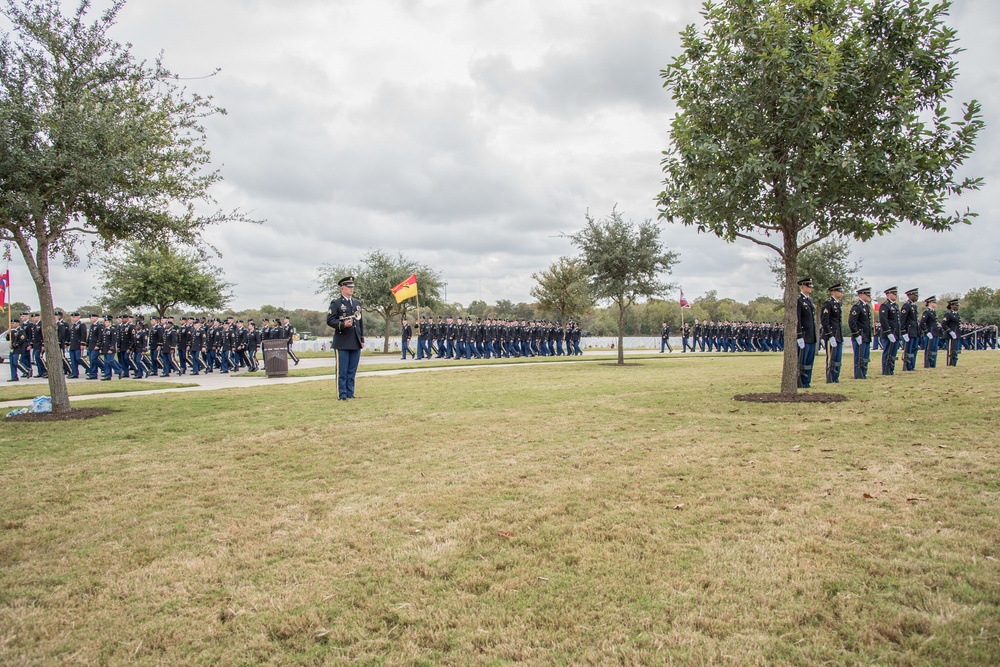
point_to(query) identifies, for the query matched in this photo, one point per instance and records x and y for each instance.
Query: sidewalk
(216, 380)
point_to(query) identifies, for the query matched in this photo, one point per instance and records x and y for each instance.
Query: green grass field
(547, 514)
(19, 391)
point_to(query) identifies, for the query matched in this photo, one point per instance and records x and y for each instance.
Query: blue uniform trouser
(13, 360)
(348, 361)
(95, 366)
(36, 358)
(404, 346)
(420, 348)
(930, 352)
(888, 356)
(910, 348)
(74, 363)
(111, 365)
(807, 356)
(196, 360)
(862, 352)
(833, 359)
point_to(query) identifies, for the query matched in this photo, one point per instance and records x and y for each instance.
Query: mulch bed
(74, 413)
(796, 398)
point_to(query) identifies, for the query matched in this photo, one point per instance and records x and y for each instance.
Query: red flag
(4, 285)
(405, 289)
(684, 302)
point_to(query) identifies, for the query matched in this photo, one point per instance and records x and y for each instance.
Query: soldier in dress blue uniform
(344, 317)
(806, 332)
(952, 325)
(831, 316)
(665, 338)
(909, 325)
(18, 347)
(928, 327)
(888, 315)
(77, 344)
(860, 324)
(405, 334)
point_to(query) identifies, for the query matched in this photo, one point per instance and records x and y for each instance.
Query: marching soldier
(288, 331)
(860, 324)
(18, 347)
(77, 345)
(909, 325)
(685, 335)
(665, 338)
(928, 326)
(806, 332)
(888, 316)
(423, 333)
(344, 317)
(406, 333)
(37, 346)
(94, 337)
(109, 347)
(952, 324)
(167, 347)
(140, 352)
(833, 337)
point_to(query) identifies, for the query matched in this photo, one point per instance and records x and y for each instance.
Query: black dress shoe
(13, 380)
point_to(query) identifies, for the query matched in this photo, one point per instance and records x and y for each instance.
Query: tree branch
(763, 243)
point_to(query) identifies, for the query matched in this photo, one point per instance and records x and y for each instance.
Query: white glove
(906, 338)
(802, 343)
(953, 335)
(930, 336)
(833, 342)
(859, 340)
(892, 338)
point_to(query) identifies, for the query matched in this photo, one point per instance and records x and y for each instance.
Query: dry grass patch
(565, 513)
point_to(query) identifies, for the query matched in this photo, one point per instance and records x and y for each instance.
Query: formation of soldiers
(458, 338)
(127, 346)
(726, 336)
(897, 328)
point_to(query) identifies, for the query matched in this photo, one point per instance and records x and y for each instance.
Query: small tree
(94, 145)
(623, 261)
(377, 273)
(800, 119)
(162, 278)
(563, 289)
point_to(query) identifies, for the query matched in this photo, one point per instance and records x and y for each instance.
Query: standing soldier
(405, 334)
(860, 324)
(952, 324)
(806, 332)
(888, 316)
(909, 324)
(344, 316)
(928, 326)
(831, 316)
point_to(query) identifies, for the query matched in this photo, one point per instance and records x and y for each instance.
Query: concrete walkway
(216, 380)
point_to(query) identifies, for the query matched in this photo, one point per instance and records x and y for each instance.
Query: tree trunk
(38, 267)
(790, 359)
(621, 333)
(385, 339)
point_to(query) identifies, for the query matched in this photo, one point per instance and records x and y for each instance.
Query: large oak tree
(798, 119)
(94, 145)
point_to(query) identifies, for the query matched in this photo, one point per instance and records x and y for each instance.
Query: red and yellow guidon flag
(406, 289)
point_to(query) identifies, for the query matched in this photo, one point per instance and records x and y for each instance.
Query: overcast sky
(470, 134)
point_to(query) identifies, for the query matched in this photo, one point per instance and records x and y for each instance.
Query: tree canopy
(162, 278)
(799, 119)
(623, 261)
(94, 145)
(562, 289)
